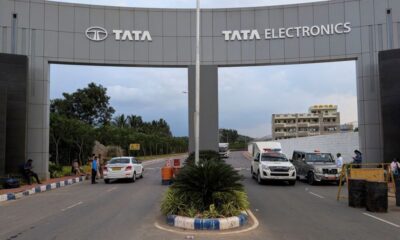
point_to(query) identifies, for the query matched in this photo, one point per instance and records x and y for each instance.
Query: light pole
(197, 112)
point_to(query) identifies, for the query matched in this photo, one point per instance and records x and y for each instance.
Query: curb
(207, 223)
(39, 189)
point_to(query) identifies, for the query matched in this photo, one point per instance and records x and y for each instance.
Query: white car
(272, 166)
(123, 168)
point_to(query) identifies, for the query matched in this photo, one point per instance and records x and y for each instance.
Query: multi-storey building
(320, 119)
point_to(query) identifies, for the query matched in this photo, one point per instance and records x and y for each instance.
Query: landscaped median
(207, 223)
(206, 196)
(13, 194)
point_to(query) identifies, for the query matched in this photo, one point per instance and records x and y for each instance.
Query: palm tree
(135, 122)
(120, 121)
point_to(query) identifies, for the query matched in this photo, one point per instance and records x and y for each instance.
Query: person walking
(28, 173)
(339, 160)
(94, 170)
(357, 159)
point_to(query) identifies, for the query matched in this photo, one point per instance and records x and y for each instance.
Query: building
(320, 120)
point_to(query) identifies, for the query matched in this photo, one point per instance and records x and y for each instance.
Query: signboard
(99, 34)
(134, 147)
(290, 32)
(371, 174)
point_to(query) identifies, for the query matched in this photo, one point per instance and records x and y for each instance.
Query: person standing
(357, 159)
(94, 170)
(395, 166)
(339, 160)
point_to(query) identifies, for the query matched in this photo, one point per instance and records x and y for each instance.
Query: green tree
(120, 121)
(228, 135)
(59, 130)
(90, 105)
(83, 137)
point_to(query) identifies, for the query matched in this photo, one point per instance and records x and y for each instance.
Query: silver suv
(315, 167)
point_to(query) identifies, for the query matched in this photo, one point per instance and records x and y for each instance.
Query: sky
(155, 93)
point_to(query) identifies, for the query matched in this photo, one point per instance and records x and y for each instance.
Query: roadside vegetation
(83, 122)
(235, 140)
(211, 189)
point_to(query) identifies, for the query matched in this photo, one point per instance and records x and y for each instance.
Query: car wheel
(292, 182)
(133, 177)
(259, 179)
(106, 181)
(141, 175)
(311, 178)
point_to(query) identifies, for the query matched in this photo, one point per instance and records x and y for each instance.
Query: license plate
(332, 178)
(116, 168)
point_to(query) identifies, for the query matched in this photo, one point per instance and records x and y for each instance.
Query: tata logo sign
(290, 32)
(98, 34)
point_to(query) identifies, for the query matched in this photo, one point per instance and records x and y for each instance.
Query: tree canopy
(90, 105)
(80, 118)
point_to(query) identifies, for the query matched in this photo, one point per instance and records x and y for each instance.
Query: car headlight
(292, 168)
(318, 170)
(264, 167)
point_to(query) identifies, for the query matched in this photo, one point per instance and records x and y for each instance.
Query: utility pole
(197, 112)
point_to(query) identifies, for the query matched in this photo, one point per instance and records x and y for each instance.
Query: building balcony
(279, 125)
(303, 134)
(302, 125)
(279, 134)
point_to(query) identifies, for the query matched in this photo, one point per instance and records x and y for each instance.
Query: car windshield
(318, 157)
(223, 149)
(273, 158)
(118, 160)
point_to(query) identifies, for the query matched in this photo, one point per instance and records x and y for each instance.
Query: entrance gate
(336, 30)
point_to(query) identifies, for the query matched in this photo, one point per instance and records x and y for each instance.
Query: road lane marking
(112, 189)
(317, 195)
(74, 205)
(382, 220)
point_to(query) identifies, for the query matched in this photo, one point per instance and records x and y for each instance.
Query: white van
(224, 150)
(268, 163)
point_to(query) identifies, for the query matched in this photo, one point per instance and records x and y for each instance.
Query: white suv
(123, 168)
(272, 166)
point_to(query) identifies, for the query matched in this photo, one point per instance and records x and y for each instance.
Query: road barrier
(166, 175)
(378, 182)
(357, 193)
(376, 196)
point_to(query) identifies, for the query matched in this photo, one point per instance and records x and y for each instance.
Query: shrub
(211, 189)
(204, 155)
(55, 170)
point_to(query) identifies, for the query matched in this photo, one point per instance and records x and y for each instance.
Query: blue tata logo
(96, 34)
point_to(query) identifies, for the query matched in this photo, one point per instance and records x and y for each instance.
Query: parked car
(123, 168)
(315, 167)
(270, 165)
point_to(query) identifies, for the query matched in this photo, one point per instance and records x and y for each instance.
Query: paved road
(128, 211)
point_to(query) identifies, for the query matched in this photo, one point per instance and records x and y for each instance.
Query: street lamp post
(197, 112)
